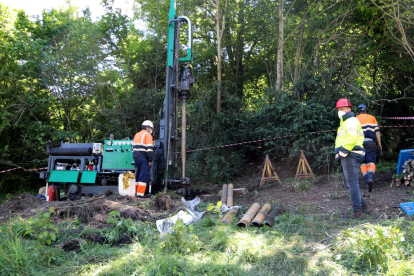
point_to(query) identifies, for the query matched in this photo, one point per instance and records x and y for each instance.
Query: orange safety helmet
(343, 102)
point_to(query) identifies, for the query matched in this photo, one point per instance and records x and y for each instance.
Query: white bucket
(130, 191)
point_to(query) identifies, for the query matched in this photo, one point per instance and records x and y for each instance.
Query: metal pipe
(224, 195)
(270, 219)
(251, 213)
(176, 129)
(183, 135)
(257, 221)
(229, 217)
(230, 195)
(78, 151)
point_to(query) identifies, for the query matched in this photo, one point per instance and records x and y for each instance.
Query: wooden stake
(303, 167)
(269, 173)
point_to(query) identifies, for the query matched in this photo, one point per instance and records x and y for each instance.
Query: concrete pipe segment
(251, 213)
(229, 217)
(224, 195)
(270, 219)
(257, 221)
(230, 195)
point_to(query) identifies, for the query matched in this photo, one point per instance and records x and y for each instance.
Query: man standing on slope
(350, 152)
(143, 151)
(372, 137)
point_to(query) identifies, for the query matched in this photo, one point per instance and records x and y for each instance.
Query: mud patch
(19, 203)
(164, 202)
(97, 211)
(125, 239)
(73, 245)
(95, 238)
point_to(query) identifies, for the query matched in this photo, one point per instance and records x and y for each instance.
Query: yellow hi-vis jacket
(349, 138)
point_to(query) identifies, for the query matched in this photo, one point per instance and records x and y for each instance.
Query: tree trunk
(315, 62)
(279, 70)
(298, 57)
(219, 76)
(219, 30)
(374, 76)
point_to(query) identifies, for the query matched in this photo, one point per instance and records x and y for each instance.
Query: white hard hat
(148, 123)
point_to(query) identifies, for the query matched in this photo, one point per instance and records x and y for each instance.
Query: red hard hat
(343, 102)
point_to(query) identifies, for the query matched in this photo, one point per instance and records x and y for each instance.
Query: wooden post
(303, 167)
(269, 173)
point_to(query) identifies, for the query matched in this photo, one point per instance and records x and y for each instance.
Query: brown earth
(93, 210)
(323, 197)
(72, 245)
(19, 203)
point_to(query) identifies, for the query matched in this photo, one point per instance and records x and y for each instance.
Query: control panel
(117, 155)
(97, 148)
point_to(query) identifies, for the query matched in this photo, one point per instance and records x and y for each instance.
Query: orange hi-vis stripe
(364, 169)
(371, 167)
(140, 188)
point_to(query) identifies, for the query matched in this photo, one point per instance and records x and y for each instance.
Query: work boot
(370, 185)
(365, 209)
(355, 215)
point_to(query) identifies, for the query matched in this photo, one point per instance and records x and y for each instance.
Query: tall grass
(14, 253)
(291, 247)
(23, 256)
(370, 248)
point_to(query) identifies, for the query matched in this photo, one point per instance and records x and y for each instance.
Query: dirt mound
(19, 203)
(164, 202)
(125, 239)
(95, 238)
(97, 211)
(73, 245)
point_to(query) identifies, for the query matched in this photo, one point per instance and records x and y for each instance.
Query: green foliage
(39, 227)
(384, 166)
(302, 185)
(65, 76)
(122, 226)
(181, 241)
(20, 256)
(291, 246)
(370, 247)
(400, 176)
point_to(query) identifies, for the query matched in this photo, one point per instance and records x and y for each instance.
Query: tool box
(408, 208)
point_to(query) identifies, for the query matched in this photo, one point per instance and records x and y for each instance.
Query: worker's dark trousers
(143, 170)
(368, 167)
(350, 166)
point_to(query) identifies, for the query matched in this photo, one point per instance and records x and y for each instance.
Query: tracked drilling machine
(92, 168)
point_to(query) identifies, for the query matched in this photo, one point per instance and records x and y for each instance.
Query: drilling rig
(93, 168)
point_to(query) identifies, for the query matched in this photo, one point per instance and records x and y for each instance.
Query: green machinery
(91, 168)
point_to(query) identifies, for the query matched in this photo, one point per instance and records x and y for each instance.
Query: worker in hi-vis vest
(372, 139)
(143, 151)
(350, 152)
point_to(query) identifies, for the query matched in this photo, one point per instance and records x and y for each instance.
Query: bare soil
(94, 210)
(72, 245)
(19, 203)
(164, 202)
(323, 197)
